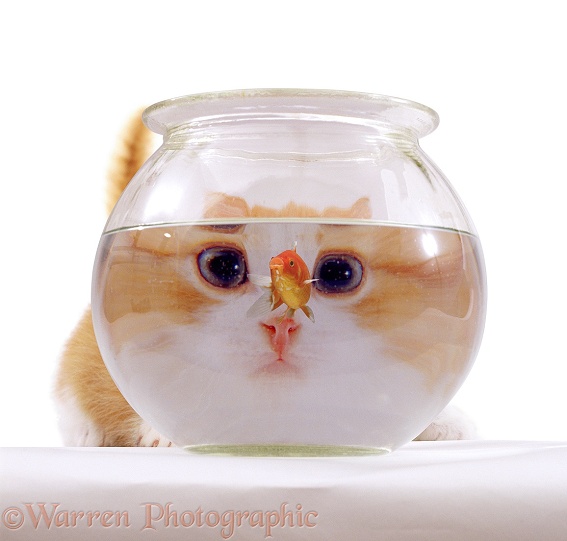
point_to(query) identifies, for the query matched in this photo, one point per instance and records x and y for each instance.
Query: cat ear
(222, 205)
(360, 210)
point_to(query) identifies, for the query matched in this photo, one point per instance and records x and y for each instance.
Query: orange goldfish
(289, 283)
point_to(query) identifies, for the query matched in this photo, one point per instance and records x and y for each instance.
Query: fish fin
(258, 280)
(305, 282)
(262, 306)
(289, 313)
(308, 312)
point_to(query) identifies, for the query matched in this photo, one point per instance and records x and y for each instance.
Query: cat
(386, 292)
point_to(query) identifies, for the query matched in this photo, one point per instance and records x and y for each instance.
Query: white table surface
(438, 491)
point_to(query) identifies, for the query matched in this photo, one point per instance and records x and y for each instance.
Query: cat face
(395, 317)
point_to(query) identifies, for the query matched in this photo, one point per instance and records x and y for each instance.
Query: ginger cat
(93, 412)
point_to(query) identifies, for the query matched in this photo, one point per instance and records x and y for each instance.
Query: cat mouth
(277, 368)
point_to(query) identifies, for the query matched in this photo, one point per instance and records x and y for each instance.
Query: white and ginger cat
(92, 410)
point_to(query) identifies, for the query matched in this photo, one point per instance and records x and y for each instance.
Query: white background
(73, 72)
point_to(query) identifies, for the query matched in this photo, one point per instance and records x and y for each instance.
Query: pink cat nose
(280, 332)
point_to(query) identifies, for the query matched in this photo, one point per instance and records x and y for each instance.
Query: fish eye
(291, 262)
(338, 273)
(222, 266)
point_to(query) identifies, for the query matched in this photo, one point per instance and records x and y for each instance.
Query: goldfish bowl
(289, 274)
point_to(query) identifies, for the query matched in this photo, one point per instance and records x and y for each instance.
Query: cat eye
(222, 267)
(338, 273)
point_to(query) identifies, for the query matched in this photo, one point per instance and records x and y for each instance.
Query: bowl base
(286, 450)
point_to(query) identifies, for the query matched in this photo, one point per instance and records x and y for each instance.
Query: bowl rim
(168, 115)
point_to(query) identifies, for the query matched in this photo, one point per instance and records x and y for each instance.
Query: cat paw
(450, 424)
(148, 437)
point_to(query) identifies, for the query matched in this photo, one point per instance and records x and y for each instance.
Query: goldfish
(289, 283)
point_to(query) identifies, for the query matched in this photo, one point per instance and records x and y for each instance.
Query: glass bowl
(289, 274)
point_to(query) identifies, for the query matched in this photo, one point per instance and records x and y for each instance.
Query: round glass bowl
(289, 274)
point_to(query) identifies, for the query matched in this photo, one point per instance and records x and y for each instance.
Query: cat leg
(79, 430)
(450, 424)
(76, 429)
(92, 411)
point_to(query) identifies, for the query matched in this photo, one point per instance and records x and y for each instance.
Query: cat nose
(280, 332)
